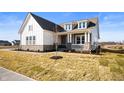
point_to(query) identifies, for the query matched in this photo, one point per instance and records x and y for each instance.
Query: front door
(63, 39)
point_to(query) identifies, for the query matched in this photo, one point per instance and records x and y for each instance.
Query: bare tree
(56, 41)
(56, 46)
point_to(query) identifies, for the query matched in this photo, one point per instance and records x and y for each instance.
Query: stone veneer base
(36, 47)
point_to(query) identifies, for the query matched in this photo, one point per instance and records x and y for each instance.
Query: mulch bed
(56, 57)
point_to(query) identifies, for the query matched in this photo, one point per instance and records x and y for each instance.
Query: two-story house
(39, 34)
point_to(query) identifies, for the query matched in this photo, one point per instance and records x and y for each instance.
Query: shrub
(38, 50)
(120, 47)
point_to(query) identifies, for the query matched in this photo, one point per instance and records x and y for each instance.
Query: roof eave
(20, 30)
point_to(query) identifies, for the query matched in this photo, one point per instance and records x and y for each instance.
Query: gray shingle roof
(2, 42)
(92, 22)
(46, 24)
(51, 26)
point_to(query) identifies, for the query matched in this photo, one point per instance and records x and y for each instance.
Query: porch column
(70, 38)
(88, 37)
(85, 37)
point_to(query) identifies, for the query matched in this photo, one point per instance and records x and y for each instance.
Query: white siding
(49, 37)
(37, 31)
(94, 38)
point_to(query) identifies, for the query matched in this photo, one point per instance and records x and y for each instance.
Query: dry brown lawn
(114, 47)
(73, 66)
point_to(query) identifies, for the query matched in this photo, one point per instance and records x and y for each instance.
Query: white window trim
(30, 28)
(30, 42)
(82, 22)
(27, 39)
(77, 44)
(65, 26)
(80, 39)
(34, 40)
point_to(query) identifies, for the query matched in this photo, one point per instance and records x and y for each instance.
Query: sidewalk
(8, 75)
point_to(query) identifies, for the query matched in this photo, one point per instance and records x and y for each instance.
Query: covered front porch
(75, 41)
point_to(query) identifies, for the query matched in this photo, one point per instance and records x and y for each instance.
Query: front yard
(73, 66)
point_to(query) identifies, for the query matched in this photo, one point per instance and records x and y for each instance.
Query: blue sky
(111, 23)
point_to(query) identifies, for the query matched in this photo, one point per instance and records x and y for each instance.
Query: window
(30, 40)
(80, 39)
(82, 25)
(26, 40)
(68, 27)
(34, 40)
(30, 28)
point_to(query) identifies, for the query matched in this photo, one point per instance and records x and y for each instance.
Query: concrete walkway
(7, 75)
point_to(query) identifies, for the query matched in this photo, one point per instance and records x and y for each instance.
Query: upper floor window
(68, 26)
(82, 25)
(30, 28)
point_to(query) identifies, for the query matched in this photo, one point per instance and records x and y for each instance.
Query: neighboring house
(16, 42)
(39, 34)
(5, 43)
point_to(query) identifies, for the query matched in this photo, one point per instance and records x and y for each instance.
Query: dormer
(68, 26)
(83, 24)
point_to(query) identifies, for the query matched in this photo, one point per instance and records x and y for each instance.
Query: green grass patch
(103, 62)
(116, 68)
(37, 68)
(120, 55)
(120, 62)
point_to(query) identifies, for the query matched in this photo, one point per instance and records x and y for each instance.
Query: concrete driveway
(7, 75)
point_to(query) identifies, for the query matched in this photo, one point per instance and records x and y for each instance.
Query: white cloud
(106, 18)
